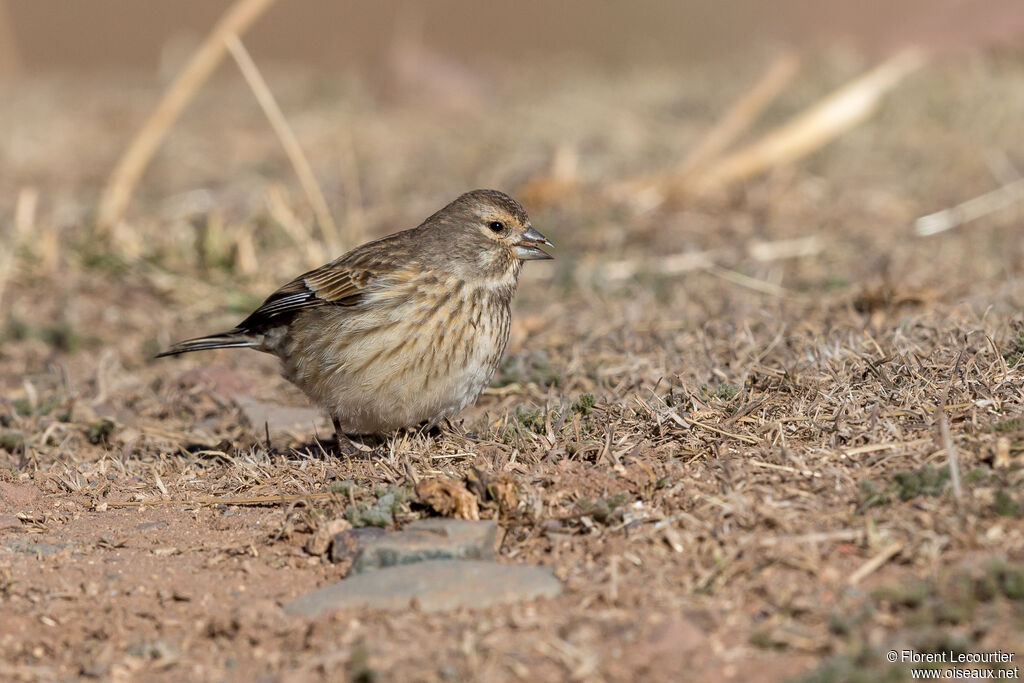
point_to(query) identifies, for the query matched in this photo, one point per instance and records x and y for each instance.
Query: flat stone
(27, 545)
(434, 585)
(9, 522)
(481, 533)
(420, 541)
(276, 416)
(348, 544)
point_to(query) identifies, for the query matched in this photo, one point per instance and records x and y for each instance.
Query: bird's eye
(496, 226)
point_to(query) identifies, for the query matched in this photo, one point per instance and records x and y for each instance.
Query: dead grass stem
(284, 132)
(121, 184)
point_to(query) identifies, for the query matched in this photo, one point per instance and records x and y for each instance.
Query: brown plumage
(402, 330)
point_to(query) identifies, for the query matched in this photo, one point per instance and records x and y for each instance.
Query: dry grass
(739, 469)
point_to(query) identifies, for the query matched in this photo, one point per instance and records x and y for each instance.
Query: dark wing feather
(332, 285)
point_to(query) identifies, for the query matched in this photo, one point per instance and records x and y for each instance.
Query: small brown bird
(406, 329)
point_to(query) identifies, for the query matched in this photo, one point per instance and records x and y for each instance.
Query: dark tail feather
(225, 340)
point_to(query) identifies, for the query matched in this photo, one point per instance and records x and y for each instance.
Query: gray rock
(27, 545)
(9, 522)
(435, 586)
(422, 540)
(348, 544)
(277, 417)
(481, 533)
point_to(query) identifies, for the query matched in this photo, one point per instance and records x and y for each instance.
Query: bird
(403, 330)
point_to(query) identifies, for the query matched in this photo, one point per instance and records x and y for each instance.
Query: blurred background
(343, 36)
(784, 142)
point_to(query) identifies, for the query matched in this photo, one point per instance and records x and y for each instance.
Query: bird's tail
(232, 339)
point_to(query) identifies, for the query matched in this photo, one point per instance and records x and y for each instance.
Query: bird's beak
(527, 250)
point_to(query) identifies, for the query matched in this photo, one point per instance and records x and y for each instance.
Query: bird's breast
(420, 352)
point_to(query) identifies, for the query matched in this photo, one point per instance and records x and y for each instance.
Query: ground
(777, 465)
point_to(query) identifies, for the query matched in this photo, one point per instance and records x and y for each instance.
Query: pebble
(422, 540)
(433, 585)
(276, 417)
(27, 545)
(9, 522)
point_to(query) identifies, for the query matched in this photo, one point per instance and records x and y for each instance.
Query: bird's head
(491, 230)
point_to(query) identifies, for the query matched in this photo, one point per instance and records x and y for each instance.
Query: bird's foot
(346, 447)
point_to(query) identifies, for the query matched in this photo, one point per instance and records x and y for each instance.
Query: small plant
(381, 512)
(584, 404)
(1014, 424)
(954, 598)
(99, 432)
(926, 481)
(870, 497)
(1005, 505)
(343, 488)
(61, 336)
(604, 509)
(866, 666)
(534, 368)
(726, 392)
(1014, 353)
(530, 419)
(723, 392)
(45, 406)
(11, 441)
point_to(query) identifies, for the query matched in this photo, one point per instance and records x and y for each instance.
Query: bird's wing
(335, 284)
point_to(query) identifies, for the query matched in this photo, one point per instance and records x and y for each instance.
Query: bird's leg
(345, 445)
(435, 427)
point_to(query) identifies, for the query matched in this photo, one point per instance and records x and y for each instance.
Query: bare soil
(739, 471)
